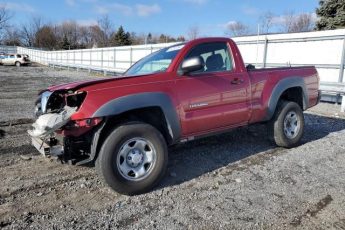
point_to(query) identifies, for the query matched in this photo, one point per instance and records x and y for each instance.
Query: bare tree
(293, 23)
(107, 27)
(11, 36)
(5, 16)
(287, 21)
(193, 32)
(85, 36)
(70, 30)
(46, 38)
(97, 36)
(303, 23)
(237, 29)
(28, 31)
(266, 22)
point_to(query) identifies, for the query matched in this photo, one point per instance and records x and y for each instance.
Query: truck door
(215, 97)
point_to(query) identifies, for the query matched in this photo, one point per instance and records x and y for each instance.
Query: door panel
(216, 95)
(210, 101)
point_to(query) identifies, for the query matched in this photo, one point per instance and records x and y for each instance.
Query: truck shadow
(2, 133)
(195, 158)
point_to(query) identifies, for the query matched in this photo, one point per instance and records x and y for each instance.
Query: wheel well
(294, 94)
(151, 115)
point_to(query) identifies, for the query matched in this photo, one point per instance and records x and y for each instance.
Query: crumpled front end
(55, 133)
(46, 124)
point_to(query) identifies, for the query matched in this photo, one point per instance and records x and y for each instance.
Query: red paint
(79, 127)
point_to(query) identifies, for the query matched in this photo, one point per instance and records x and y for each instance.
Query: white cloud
(147, 10)
(102, 10)
(71, 2)
(278, 19)
(139, 9)
(251, 11)
(18, 7)
(226, 25)
(197, 2)
(124, 9)
(282, 18)
(87, 22)
(115, 7)
(89, 1)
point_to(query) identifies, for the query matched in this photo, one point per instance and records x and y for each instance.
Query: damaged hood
(82, 84)
(79, 84)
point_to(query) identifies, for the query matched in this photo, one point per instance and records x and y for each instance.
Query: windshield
(156, 62)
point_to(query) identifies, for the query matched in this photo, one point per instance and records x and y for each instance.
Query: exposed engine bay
(55, 134)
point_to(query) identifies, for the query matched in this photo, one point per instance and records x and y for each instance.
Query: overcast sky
(172, 17)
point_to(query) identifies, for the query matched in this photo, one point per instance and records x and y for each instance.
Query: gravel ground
(237, 180)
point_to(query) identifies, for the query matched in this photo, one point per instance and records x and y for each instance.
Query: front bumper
(45, 149)
(77, 150)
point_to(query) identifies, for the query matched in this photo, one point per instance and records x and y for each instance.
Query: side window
(11, 56)
(19, 56)
(216, 56)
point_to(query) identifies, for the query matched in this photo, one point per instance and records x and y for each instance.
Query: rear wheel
(133, 158)
(18, 64)
(287, 125)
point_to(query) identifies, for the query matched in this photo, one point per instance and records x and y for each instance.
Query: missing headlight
(76, 99)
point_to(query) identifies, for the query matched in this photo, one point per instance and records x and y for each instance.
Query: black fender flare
(144, 100)
(279, 89)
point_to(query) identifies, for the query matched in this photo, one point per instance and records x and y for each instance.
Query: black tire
(280, 132)
(17, 64)
(107, 161)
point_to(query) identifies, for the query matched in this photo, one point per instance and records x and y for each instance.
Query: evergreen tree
(128, 40)
(331, 15)
(163, 38)
(181, 39)
(66, 45)
(149, 38)
(121, 38)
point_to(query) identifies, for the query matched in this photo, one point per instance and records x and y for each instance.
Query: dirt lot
(230, 181)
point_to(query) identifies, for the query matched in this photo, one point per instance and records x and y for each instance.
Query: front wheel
(133, 158)
(18, 64)
(287, 125)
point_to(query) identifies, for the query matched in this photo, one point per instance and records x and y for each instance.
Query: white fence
(323, 49)
(8, 49)
(112, 59)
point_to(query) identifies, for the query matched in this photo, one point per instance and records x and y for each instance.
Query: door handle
(237, 81)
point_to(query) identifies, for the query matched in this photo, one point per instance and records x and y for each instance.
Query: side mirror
(192, 64)
(250, 67)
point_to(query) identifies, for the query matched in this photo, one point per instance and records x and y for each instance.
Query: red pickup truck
(174, 95)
